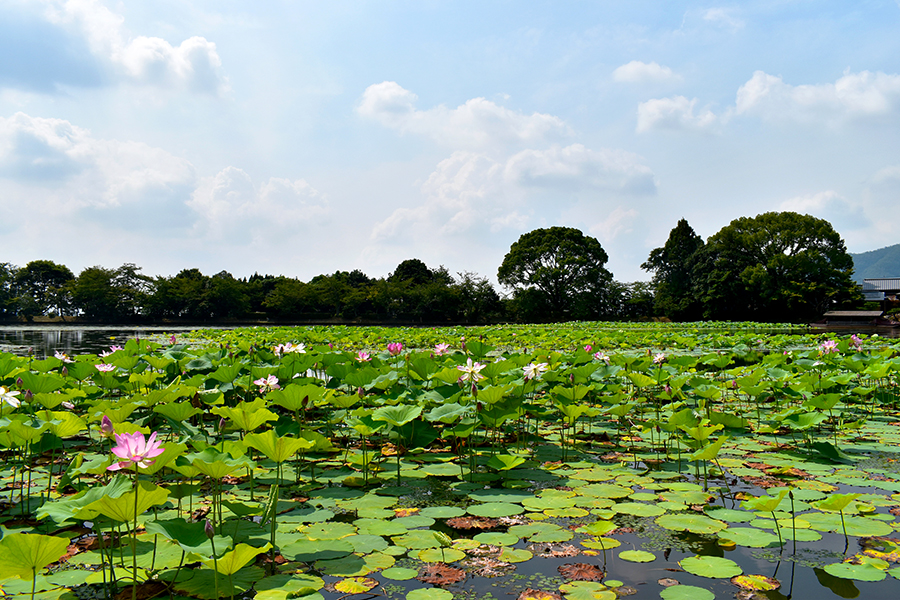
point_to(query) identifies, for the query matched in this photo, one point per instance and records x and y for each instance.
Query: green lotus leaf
(690, 522)
(399, 573)
(686, 592)
(861, 572)
(638, 509)
(233, 561)
(750, 537)
(496, 539)
(638, 556)
(442, 512)
(429, 594)
(122, 508)
(190, 536)
(277, 448)
(313, 550)
(494, 509)
(713, 567)
(444, 555)
(24, 555)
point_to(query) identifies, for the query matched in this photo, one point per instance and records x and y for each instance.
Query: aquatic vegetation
(332, 461)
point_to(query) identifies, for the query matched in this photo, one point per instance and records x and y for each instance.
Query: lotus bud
(172, 339)
(64, 372)
(588, 348)
(19, 382)
(28, 395)
(106, 426)
(360, 392)
(222, 424)
(209, 529)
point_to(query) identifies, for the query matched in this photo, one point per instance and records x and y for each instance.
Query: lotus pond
(579, 461)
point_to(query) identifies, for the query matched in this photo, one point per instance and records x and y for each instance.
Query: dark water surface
(44, 340)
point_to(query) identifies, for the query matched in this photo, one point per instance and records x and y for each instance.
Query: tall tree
(777, 266)
(7, 290)
(564, 266)
(673, 280)
(43, 287)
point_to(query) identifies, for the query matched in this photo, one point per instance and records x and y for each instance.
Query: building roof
(859, 314)
(882, 284)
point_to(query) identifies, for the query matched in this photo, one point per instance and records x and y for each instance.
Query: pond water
(44, 340)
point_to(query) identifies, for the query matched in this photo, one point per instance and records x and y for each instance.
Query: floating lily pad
(690, 522)
(495, 509)
(444, 555)
(861, 572)
(399, 573)
(756, 582)
(686, 592)
(750, 537)
(713, 567)
(429, 594)
(496, 539)
(638, 509)
(638, 556)
(442, 512)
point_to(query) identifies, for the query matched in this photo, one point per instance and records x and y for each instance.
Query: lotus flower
(441, 349)
(63, 356)
(132, 448)
(10, 397)
(363, 356)
(601, 356)
(268, 384)
(856, 342)
(534, 371)
(395, 348)
(106, 426)
(828, 346)
(659, 359)
(105, 368)
(470, 371)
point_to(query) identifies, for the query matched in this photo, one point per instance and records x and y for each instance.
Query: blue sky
(301, 138)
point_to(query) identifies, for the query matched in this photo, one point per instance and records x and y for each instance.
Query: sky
(299, 138)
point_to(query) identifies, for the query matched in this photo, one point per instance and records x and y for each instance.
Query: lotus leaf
(713, 567)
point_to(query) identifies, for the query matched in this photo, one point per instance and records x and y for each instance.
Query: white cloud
(479, 123)
(832, 207)
(471, 193)
(641, 72)
(676, 113)
(77, 170)
(194, 64)
(724, 17)
(852, 95)
(229, 207)
(576, 167)
(618, 222)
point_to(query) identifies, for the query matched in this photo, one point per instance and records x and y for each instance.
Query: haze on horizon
(304, 138)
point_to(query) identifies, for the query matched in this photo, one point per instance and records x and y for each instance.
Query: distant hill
(884, 262)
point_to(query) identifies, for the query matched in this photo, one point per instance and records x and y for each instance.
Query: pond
(44, 340)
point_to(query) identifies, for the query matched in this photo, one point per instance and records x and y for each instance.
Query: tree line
(773, 267)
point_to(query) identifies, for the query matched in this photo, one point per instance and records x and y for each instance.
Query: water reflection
(44, 340)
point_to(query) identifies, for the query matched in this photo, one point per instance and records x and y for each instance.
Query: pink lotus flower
(106, 426)
(395, 348)
(441, 349)
(470, 371)
(363, 356)
(290, 348)
(588, 348)
(856, 342)
(659, 359)
(268, 384)
(63, 356)
(828, 346)
(105, 368)
(601, 356)
(132, 448)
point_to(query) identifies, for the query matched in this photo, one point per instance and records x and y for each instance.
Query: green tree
(7, 290)
(777, 266)
(673, 274)
(95, 295)
(43, 287)
(478, 300)
(564, 266)
(412, 270)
